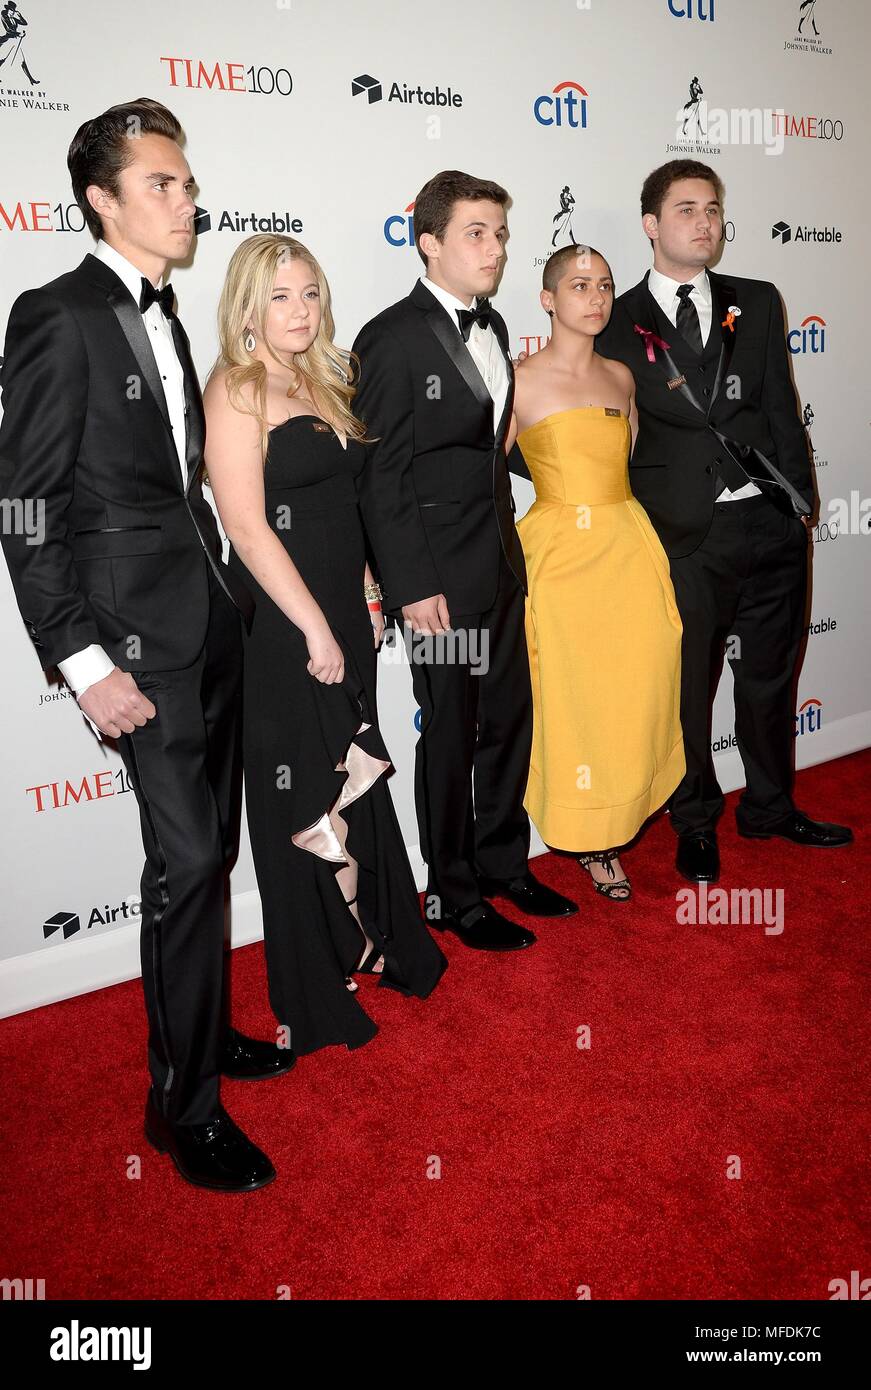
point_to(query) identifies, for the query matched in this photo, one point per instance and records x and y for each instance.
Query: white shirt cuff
(85, 668)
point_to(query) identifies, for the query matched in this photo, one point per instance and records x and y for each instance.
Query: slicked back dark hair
(102, 147)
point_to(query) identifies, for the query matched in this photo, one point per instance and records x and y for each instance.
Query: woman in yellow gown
(602, 624)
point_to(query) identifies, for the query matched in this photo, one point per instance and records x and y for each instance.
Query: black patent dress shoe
(216, 1155)
(532, 897)
(248, 1059)
(802, 830)
(698, 858)
(484, 929)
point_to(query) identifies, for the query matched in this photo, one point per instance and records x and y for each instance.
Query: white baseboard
(95, 962)
(77, 967)
(831, 741)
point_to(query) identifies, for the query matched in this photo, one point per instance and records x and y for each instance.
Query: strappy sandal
(619, 891)
(369, 959)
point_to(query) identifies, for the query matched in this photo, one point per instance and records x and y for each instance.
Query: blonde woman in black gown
(283, 454)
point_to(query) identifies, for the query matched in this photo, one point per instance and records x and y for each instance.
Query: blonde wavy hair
(325, 371)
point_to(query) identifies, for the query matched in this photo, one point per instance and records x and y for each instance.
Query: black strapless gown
(305, 745)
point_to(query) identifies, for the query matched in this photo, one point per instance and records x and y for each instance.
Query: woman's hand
(327, 663)
(378, 625)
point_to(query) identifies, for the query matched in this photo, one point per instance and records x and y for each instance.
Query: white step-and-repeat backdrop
(323, 118)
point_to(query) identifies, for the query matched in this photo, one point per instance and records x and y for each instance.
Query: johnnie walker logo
(561, 231)
(807, 418)
(693, 124)
(807, 38)
(20, 87)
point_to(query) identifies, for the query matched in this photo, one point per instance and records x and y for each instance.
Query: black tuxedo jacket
(742, 375)
(435, 492)
(86, 429)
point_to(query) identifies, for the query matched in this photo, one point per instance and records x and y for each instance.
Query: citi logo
(809, 718)
(783, 231)
(566, 105)
(228, 77)
(399, 228)
(405, 95)
(810, 336)
(704, 9)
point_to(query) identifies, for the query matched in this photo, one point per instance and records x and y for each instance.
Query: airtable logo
(405, 95)
(70, 922)
(802, 233)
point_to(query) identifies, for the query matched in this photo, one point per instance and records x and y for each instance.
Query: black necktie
(480, 314)
(687, 322)
(151, 296)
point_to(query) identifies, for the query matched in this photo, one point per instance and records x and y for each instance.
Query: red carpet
(560, 1167)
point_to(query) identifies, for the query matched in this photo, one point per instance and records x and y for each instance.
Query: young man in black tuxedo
(721, 465)
(129, 597)
(435, 391)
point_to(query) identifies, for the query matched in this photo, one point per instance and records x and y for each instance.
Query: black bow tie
(151, 296)
(480, 314)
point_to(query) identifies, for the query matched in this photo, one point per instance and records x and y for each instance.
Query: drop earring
(250, 341)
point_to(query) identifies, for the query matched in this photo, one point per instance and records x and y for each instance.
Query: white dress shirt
(664, 291)
(483, 345)
(84, 668)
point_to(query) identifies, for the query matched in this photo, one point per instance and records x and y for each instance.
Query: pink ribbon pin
(650, 338)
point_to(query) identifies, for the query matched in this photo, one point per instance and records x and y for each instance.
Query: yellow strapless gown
(604, 638)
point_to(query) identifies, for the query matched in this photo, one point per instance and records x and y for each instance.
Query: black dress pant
(743, 592)
(476, 730)
(185, 768)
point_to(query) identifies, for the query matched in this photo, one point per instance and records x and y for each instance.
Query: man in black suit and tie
(721, 465)
(435, 392)
(128, 596)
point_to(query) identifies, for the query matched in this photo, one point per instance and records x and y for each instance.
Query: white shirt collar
(131, 276)
(444, 297)
(664, 289)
